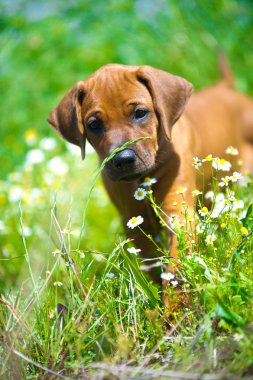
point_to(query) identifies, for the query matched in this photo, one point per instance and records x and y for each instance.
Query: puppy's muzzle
(123, 166)
(124, 161)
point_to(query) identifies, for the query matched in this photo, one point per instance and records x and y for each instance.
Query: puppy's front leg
(179, 205)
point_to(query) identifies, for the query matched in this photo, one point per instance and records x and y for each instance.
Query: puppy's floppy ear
(170, 94)
(66, 118)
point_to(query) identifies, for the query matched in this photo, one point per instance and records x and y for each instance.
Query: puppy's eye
(95, 126)
(140, 113)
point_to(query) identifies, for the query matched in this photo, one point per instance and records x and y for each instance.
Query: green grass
(106, 320)
(75, 301)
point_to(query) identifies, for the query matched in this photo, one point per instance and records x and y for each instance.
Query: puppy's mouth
(128, 178)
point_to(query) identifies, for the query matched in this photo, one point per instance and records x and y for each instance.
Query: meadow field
(75, 301)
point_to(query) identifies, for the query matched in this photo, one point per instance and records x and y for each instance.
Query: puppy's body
(123, 103)
(221, 117)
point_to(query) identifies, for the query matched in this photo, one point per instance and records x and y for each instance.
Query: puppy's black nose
(124, 160)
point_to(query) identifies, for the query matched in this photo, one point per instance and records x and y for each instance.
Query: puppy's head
(118, 104)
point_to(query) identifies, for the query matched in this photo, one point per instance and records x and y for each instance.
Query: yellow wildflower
(244, 231)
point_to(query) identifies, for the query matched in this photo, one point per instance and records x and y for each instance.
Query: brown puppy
(123, 103)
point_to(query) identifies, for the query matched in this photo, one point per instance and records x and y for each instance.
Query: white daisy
(48, 143)
(140, 194)
(221, 164)
(208, 158)
(167, 276)
(174, 283)
(200, 228)
(189, 218)
(215, 213)
(220, 197)
(231, 196)
(238, 203)
(57, 283)
(237, 337)
(181, 190)
(210, 239)
(196, 192)
(196, 162)
(224, 181)
(133, 250)
(203, 211)
(15, 194)
(220, 208)
(57, 166)
(34, 156)
(209, 195)
(231, 150)
(236, 176)
(134, 221)
(148, 181)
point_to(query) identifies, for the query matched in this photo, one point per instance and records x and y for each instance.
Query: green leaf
(142, 282)
(247, 221)
(228, 315)
(207, 272)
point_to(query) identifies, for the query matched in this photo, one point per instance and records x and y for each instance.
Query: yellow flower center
(196, 192)
(244, 231)
(209, 157)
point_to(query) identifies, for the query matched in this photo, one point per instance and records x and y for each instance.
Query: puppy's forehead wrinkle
(108, 83)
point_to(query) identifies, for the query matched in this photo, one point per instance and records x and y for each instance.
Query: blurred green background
(45, 47)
